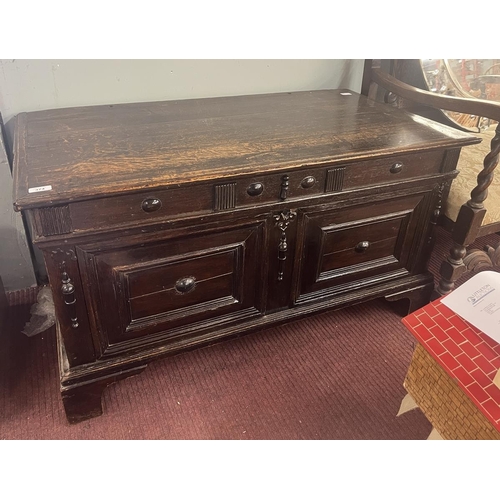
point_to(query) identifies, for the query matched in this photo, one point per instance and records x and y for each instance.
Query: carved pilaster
(282, 222)
(67, 289)
(436, 214)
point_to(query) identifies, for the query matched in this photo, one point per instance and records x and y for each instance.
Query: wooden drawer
(391, 169)
(355, 247)
(176, 202)
(331, 179)
(141, 207)
(171, 289)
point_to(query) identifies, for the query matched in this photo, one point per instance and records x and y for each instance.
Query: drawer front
(176, 202)
(186, 281)
(172, 289)
(332, 179)
(393, 169)
(354, 244)
(149, 206)
(359, 246)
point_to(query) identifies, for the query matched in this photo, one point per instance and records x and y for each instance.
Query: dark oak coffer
(171, 225)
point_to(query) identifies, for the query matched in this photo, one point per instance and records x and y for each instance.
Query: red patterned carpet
(334, 376)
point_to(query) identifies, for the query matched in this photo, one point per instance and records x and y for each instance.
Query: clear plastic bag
(42, 313)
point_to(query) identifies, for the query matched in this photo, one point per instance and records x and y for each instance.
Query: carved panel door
(170, 290)
(354, 247)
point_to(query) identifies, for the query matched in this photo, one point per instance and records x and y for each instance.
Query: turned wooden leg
(451, 270)
(473, 261)
(83, 401)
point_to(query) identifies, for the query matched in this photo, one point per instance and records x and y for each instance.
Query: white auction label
(39, 188)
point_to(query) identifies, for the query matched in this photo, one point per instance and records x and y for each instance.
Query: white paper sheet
(478, 302)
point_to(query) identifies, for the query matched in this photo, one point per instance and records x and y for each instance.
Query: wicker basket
(442, 401)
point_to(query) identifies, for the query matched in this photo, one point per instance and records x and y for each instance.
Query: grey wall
(16, 269)
(28, 85)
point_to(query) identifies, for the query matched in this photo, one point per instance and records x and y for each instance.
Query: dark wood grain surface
(90, 152)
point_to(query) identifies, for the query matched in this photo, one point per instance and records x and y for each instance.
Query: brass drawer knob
(255, 189)
(151, 205)
(396, 168)
(185, 285)
(362, 246)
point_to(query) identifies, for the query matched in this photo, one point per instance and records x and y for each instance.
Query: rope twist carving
(485, 177)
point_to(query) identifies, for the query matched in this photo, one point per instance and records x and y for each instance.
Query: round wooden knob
(308, 182)
(255, 189)
(396, 168)
(362, 246)
(151, 205)
(185, 285)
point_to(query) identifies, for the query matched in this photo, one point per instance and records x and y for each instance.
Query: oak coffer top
(87, 152)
